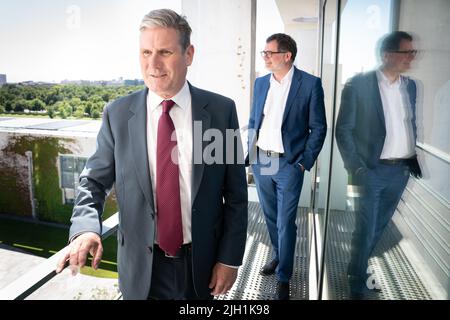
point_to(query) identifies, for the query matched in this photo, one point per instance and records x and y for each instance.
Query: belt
(184, 250)
(393, 161)
(272, 154)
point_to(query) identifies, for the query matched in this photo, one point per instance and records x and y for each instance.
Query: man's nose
(153, 60)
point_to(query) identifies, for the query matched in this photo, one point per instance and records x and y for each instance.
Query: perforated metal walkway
(391, 268)
(250, 285)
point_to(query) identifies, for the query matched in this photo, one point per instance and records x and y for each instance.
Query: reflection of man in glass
(376, 134)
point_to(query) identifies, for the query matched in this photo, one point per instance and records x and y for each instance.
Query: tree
(79, 112)
(51, 111)
(20, 105)
(95, 114)
(37, 105)
(88, 108)
(75, 103)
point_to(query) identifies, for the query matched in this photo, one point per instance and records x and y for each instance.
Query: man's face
(400, 61)
(278, 61)
(163, 62)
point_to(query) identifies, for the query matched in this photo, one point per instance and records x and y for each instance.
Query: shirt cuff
(227, 265)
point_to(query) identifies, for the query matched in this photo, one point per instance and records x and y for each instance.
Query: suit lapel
(261, 102)
(137, 130)
(199, 116)
(374, 91)
(295, 86)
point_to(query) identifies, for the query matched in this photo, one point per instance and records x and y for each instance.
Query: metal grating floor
(250, 285)
(391, 268)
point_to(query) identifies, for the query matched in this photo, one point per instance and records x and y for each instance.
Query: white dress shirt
(270, 137)
(181, 114)
(399, 141)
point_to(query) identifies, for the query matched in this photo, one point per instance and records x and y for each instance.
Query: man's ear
(385, 57)
(189, 53)
(288, 56)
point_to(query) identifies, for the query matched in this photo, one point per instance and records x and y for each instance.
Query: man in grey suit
(182, 222)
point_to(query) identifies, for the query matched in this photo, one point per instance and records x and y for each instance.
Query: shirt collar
(383, 79)
(286, 79)
(181, 99)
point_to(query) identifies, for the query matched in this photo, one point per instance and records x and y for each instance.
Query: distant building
(2, 79)
(40, 163)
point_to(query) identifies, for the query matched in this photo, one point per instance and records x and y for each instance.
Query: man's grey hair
(167, 18)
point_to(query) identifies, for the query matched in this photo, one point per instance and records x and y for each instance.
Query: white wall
(424, 217)
(222, 39)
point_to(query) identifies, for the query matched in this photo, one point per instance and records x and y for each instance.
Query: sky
(54, 40)
(364, 22)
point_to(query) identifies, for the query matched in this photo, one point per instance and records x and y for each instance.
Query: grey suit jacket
(219, 192)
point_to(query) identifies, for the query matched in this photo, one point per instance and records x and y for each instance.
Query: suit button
(153, 215)
(150, 249)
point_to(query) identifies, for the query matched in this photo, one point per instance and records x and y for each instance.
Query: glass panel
(328, 67)
(388, 231)
(362, 23)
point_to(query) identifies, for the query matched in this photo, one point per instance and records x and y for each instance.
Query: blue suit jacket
(304, 124)
(360, 127)
(219, 192)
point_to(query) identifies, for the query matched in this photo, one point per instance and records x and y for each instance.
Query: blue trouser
(382, 188)
(279, 184)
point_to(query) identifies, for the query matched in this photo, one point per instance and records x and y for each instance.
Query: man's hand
(223, 278)
(78, 250)
(414, 167)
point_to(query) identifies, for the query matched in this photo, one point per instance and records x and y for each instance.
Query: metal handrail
(434, 152)
(28, 283)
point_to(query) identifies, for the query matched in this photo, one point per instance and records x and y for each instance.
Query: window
(70, 170)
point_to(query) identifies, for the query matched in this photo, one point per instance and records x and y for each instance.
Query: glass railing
(34, 279)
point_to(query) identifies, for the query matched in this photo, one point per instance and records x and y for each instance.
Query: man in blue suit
(182, 224)
(287, 129)
(376, 135)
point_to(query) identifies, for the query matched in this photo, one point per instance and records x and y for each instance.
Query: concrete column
(224, 50)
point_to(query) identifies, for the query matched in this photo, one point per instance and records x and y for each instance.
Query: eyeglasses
(269, 54)
(408, 52)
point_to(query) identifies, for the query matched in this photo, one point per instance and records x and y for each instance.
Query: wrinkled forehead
(160, 37)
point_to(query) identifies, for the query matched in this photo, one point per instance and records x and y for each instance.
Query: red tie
(170, 231)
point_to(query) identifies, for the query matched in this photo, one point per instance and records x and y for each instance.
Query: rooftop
(50, 127)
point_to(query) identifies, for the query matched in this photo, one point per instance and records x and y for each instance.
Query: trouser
(279, 186)
(172, 276)
(382, 188)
